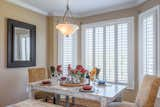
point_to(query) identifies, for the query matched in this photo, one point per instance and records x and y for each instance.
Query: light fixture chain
(68, 3)
(67, 12)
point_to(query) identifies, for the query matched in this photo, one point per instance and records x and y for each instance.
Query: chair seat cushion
(122, 104)
(33, 103)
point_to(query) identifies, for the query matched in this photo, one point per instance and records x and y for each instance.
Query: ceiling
(79, 8)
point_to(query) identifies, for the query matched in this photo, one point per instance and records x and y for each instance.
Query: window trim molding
(131, 49)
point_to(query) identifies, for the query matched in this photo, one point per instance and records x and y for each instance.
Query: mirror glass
(21, 44)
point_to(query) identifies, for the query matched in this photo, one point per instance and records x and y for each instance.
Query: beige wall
(13, 82)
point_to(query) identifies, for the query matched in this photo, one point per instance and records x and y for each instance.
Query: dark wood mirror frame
(11, 24)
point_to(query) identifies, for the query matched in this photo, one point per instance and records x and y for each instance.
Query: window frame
(155, 11)
(130, 21)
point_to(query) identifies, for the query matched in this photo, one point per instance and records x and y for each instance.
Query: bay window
(109, 46)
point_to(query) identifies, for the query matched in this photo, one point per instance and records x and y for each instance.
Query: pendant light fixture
(67, 28)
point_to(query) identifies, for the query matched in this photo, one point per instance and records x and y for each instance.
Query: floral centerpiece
(56, 71)
(59, 69)
(52, 71)
(78, 74)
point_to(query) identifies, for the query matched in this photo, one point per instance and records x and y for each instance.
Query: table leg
(73, 100)
(67, 101)
(57, 98)
(31, 93)
(54, 99)
(104, 102)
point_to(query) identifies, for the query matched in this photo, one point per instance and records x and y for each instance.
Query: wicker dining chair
(37, 74)
(146, 95)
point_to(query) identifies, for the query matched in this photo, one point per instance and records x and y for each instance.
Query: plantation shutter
(149, 40)
(107, 47)
(67, 52)
(122, 53)
(110, 53)
(98, 49)
(149, 43)
(89, 47)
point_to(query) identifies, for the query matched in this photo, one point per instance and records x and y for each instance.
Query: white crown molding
(27, 6)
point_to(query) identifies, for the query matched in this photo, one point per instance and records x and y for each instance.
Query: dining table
(104, 94)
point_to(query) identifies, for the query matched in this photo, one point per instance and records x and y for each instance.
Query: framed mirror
(21, 44)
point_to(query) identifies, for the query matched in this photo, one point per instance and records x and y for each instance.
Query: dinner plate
(82, 90)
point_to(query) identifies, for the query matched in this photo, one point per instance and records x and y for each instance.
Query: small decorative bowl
(46, 82)
(87, 87)
(101, 82)
(63, 78)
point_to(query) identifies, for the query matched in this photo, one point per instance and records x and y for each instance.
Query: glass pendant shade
(67, 29)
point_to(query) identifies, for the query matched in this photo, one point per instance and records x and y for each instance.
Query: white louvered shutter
(98, 49)
(106, 47)
(110, 53)
(149, 41)
(122, 53)
(67, 52)
(89, 47)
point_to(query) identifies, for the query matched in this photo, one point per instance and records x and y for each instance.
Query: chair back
(148, 91)
(37, 74)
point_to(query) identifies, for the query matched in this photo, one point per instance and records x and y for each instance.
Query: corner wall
(13, 82)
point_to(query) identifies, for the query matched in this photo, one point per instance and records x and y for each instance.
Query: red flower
(79, 67)
(75, 71)
(69, 67)
(83, 71)
(59, 68)
(71, 71)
